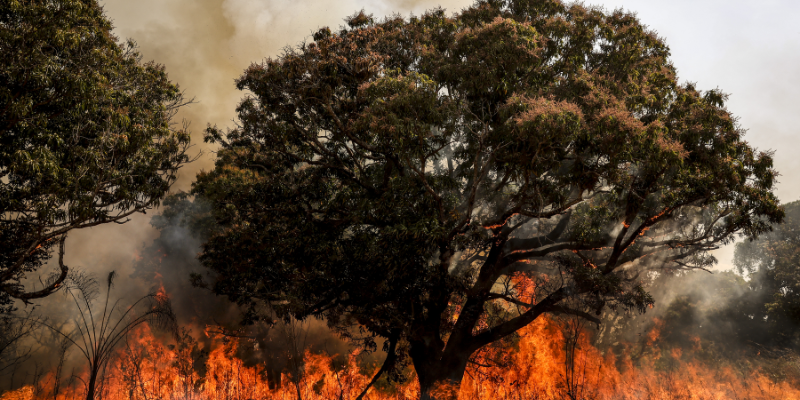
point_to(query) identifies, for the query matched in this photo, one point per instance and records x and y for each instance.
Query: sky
(750, 50)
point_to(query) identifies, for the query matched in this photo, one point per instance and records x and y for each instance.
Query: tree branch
(506, 328)
(515, 244)
(49, 289)
(566, 310)
(388, 363)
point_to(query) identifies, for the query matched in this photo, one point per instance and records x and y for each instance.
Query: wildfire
(549, 360)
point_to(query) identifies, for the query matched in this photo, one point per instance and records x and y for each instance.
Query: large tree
(442, 181)
(85, 134)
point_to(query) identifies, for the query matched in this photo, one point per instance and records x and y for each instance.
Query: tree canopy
(85, 133)
(442, 181)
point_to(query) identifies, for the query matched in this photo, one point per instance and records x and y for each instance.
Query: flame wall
(549, 360)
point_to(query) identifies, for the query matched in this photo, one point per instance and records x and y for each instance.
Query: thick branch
(570, 311)
(506, 328)
(49, 289)
(620, 248)
(515, 244)
(388, 363)
(517, 256)
(500, 296)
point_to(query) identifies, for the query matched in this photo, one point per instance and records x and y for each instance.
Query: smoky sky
(750, 50)
(206, 44)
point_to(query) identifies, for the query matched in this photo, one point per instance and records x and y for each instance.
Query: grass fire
(520, 199)
(550, 360)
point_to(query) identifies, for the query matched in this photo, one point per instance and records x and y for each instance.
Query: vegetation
(97, 334)
(772, 265)
(12, 331)
(442, 182)
(438, 184)
(742, 318)
(86, 134)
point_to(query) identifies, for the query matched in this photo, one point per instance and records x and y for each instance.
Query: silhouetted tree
(13, 330)
(98, 334)
(772, 266)
(443, 181)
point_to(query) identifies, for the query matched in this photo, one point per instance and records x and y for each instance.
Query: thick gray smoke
(206, 44)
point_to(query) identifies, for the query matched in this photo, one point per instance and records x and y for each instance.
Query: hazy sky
(750, 50)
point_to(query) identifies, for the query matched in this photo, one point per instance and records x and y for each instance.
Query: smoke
(206, 44)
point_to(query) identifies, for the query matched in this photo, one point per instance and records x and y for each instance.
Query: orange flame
(539, 365)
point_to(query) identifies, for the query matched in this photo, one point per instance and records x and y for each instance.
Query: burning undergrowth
(700, 341)
(550, 359)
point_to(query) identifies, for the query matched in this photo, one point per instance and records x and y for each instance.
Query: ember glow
(550, 360)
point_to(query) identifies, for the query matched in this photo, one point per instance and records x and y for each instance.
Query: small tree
(85, 133)
(442, 182)
(99, 335)
(13, 330)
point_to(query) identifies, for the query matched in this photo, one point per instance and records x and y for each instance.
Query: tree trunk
(439, 377)
(90, 388)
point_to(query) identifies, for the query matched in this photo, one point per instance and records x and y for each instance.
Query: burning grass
(549, 360)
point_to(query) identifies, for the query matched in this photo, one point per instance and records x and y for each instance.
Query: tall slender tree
(443, 181)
